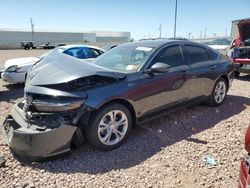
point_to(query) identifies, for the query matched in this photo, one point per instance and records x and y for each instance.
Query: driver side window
(170, 55)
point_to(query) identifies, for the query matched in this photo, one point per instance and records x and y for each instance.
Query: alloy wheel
(113, 127)
(220, 92)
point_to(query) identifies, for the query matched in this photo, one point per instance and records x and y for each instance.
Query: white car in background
(220, 44)
(15, 70)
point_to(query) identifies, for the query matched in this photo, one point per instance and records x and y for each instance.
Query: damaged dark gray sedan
(66, 98)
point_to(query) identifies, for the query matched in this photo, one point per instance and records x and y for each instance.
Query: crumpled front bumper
(28, 141)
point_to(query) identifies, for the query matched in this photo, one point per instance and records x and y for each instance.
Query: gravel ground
(166, 152)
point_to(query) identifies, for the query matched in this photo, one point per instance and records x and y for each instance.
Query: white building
(13, 38)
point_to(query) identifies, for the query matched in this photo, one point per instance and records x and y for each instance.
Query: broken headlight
(56, 104)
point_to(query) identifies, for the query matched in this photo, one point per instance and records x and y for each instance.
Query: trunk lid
(244, 29)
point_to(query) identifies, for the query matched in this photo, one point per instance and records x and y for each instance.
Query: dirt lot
(166, 152)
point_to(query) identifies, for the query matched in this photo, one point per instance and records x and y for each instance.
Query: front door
(160, 90)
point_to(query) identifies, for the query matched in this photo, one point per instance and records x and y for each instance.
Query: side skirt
(169, 109)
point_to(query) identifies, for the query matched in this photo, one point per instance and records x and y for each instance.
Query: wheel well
(126, 104)
(77, 139)
(227, 80)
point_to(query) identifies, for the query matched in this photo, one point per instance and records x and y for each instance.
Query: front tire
(219, 93)
(109, 127)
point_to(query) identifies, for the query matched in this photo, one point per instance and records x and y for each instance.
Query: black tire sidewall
(92, 130)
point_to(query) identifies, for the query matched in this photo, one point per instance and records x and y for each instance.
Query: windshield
(221, 42)
(126, 58)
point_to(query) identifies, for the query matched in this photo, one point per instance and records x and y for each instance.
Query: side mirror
(160, 68)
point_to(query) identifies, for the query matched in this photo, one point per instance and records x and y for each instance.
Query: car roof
(79, 45)
(161, 42)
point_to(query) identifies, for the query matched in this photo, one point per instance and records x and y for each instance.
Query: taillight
(247, 140)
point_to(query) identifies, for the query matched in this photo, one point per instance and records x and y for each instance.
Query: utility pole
(32, 28)
(175, 19)
(189, 34)
(214, 35)
(200, 36)
(205, 33)
(160, 31)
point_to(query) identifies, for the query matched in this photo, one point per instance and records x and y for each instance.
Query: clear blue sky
(141, 18)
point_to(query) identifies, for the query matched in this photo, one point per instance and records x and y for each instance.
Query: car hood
(60, 68)
(219, 47)
(244, 29)
(20, 61)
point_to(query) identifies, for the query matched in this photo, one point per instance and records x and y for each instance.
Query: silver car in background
(15, 70)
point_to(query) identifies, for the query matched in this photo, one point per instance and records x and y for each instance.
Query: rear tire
(219, 93)
(109, 126)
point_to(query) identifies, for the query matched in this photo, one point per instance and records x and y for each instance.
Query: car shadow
(12, 92)
(147, 140)
(244, 77)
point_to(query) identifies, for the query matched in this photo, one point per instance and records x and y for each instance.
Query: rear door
(161, 90)
(202, 69)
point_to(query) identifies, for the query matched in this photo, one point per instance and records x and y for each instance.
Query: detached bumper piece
(244, 178)
(39, 137)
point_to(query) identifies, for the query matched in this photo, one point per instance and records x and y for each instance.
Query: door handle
(212, 67)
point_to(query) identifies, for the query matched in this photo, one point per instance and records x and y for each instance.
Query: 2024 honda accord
(126, 86)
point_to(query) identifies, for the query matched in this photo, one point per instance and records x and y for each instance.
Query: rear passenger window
(212, 55)
(170, 55)
(196, 54)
